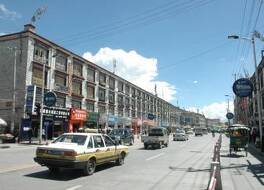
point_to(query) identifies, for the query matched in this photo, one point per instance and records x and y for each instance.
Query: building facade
(88, 96)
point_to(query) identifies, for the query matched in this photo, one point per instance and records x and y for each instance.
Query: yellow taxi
(80, 151)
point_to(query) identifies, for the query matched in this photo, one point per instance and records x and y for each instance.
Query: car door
(100, 149)
(110, 148)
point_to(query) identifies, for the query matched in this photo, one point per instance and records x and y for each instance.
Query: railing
(215, 182)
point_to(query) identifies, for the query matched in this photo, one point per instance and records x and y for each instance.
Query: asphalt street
(183, 165)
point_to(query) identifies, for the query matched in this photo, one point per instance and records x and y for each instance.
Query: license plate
(55, 152)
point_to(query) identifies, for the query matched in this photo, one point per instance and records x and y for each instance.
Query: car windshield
(116, 132)
(78, 139)
(156, 132)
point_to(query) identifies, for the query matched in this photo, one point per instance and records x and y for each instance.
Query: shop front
(112, 121)
(92, 121)
(124, 122)
(102, 122)
(77, 119)
(136, 124)
(146, 125)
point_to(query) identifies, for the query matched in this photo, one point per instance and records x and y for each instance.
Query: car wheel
(121, 159)
(160, 145)
(89, 167)
(54, 170)
(145, 146)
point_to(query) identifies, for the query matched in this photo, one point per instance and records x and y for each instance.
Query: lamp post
(252, 41)
(42, 98)
(12, 127)
(228, 107)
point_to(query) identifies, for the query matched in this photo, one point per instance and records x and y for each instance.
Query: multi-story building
(212, 123)
(88, 96)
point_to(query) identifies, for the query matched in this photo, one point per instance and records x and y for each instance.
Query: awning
(3, 122)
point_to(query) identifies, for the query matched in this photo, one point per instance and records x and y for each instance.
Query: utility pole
(14, 92)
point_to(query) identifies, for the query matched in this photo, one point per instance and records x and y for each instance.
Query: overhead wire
(145, 20)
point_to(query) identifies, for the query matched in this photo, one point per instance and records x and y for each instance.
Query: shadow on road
(257, 170)
(231, 156)
(66, 174)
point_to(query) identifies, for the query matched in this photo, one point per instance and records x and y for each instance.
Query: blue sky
(186, 41)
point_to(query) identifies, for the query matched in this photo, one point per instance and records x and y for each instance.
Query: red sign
(78, 114)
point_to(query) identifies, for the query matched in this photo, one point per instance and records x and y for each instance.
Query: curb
(4, 146)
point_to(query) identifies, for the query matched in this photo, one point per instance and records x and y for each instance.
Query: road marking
(11, 169)
(75, 187)
(153, 157)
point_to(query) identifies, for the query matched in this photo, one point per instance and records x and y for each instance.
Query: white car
(80, 151)
(180, 135)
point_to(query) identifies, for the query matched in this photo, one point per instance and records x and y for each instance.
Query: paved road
(183, 165)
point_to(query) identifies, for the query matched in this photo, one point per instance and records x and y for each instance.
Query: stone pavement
(239, 172)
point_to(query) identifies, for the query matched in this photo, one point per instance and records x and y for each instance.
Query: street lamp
(12, 127)
(255, 34)
(228, 107)
(42, 98)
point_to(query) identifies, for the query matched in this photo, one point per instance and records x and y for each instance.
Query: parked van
(198, 131)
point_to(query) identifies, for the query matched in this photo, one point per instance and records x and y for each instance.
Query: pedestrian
(254, 135)
(30, 134)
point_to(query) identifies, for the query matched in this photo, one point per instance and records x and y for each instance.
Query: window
(101, 108)
(120, 87)
(90, 92)
(90, 143)
(127, 89)
(127, 102)
(111, 97)
(98, 141)
(127, 112)
(60, 80)
(76, 104)
(91, 74)
(133, 92)
(133, 103)
(77, 88)
(112, 109)
(61, 62)
(41, 54)
(102, 79)
(120, 100)
(112, 83)
(61, 101)
(77, 68)
(101, 94)
(108, 141)
(90, 106)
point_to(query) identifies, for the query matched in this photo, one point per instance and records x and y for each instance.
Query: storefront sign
(50, 99)
(30, 99)
(243, 87)
(55, 112)
(78, 114)
(93, 117)
(124, 121)
(112, 120)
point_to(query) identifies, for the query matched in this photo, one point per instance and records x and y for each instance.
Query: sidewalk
(239, 172)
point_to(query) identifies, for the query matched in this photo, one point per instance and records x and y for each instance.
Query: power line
(142, 20)
(194, 56)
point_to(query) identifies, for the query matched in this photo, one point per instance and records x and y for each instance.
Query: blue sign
(243, 87)
(30, 99)
(229, 115)
(50, 99)
(151, 116)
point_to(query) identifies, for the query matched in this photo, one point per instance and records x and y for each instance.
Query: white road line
(153, 157)
(74, 187)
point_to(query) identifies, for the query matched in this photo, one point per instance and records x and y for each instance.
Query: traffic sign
(243, 87)
(229, 115)
(50, 99)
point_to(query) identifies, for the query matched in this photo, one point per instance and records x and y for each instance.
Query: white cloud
(7, 14)
(195, 82)
(135, 68)
(215, 110)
